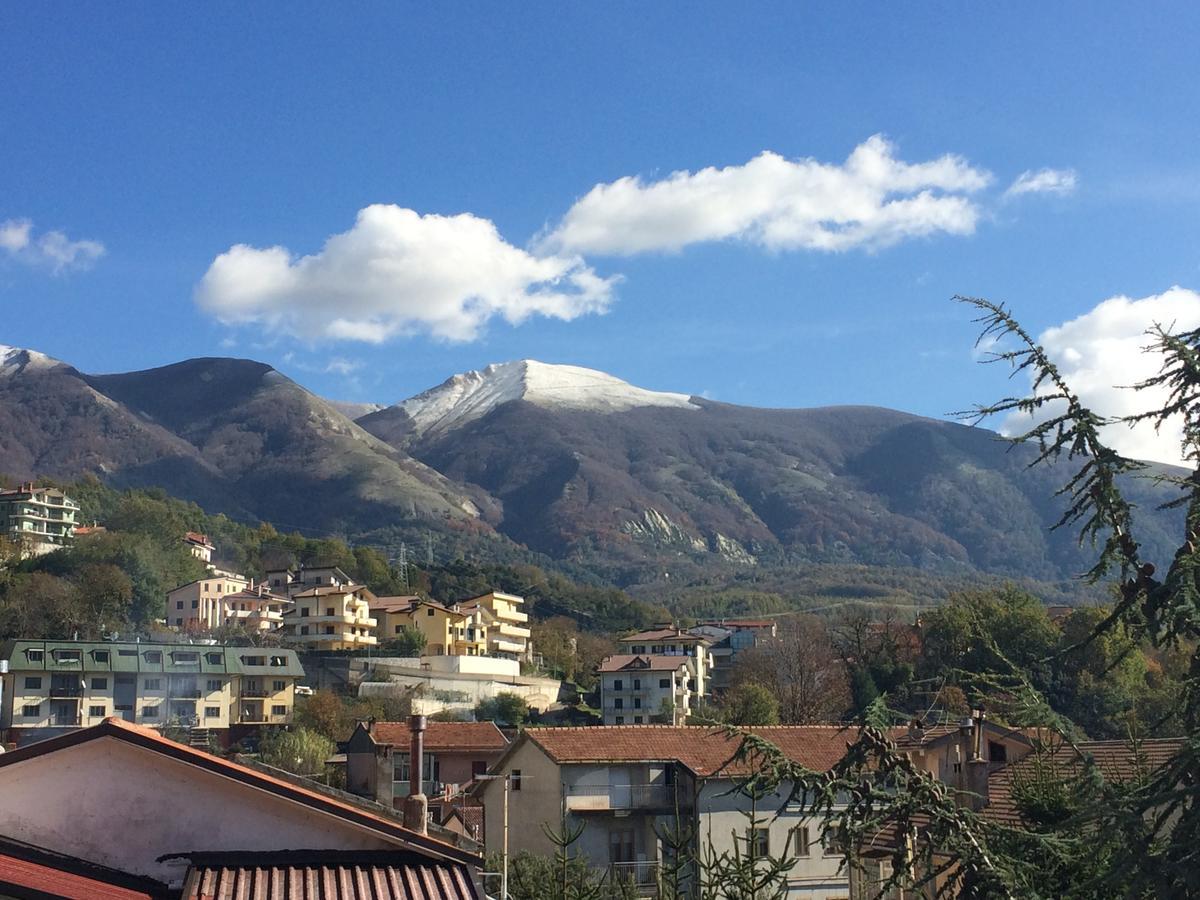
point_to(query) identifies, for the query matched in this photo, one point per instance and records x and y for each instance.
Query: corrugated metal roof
(25, 868)
(328, 875)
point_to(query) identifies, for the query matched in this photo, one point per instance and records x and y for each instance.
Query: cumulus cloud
(1101, 352)
(1043, 181)
(398, 272)
(871, 200)
(50, 248)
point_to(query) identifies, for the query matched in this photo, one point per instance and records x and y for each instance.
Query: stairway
(198, 738)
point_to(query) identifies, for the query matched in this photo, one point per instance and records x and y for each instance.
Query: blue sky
(168, 135)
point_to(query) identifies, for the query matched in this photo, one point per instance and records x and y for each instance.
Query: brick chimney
(416, 804)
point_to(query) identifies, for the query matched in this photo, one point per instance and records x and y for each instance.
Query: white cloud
(1102, 351)
(51, 248)
(1043, 181)
(397, 272)
(340, 366)
(870, 200)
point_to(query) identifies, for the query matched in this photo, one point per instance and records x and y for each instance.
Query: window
(329, 629)
(254, 660)
(429, 612)
(997, 752)
(619, 720)
(153, 656)
(179, 604)
(664, 682)
(68, 656)
(214, 658)
(96, 711)
(618, 685)
(304, 629)
(802, 841)
(621, 846)
(515, 779)
(179, 621)
(758, 842)
(279, 685)
(212, 712)
(831, 841)
(33, 682)
(618, 703)
(637, 720)
(637, 702)
(329, 611)
(34, 655)
(478, 767)
(101, 656)
(32, 710)
(100, 684)
(279, 710)
(219, 587)
(126, 653)
(152, 684)
(399, 629)
(195, 604)
(637, 684)
(304, 612)
(149, 712)
(214, 684)
(185, 657)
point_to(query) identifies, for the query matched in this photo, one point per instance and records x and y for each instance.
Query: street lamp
(504, 845)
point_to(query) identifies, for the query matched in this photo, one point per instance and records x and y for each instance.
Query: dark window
(153, 656)
(997, 752)
(429, 612)
(620, 720)
(329, 611)
(182, 657)
(279, 685)
(214, 658)
(515, 779)
(664, 682)
(34, 655)
(179, 621)
(99, 684)
(179, 604)
(96, 711)
(279, 710)
(637, 702)
(637, 684)
(618, 685)
(329, 629)
(195, 604)
(126, 653)
(618, 703)
(31, 710)
(758, 842)
(214, 684)
(149, 712)
(478, 767)
(304, 629)
(101, 656)
(212, 712)
(637, 720)
(33, 683)
(152, 684)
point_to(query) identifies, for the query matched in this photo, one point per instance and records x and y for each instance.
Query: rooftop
(706, 750)
(653, 662)
(444, 736)
(663, 634)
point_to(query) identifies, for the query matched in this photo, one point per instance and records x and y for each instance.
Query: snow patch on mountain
(471, 395)
(15, 360)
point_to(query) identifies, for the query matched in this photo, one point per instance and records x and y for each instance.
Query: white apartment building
(223, 599)
(39, 519)
(658, 676)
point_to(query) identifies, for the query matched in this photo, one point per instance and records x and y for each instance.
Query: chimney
(416, 805)
(977, 766)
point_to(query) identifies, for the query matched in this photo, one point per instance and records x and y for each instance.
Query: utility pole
(504, 848)
(404, 566)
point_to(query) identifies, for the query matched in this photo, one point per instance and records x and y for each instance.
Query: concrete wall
(539, 800)
(456, 665)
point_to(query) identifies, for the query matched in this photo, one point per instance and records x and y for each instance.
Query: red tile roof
(393, 604)
(705, 750)
(619, 662)
(741, 623)
(150, 739)
(43, 873)
(1118, 761)
(444, 736)
(195, 537)
(323, 875)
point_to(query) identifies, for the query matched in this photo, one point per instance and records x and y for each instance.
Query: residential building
(199, 545)
(628, 786)
(200, 604)
(52, 686)
(223, 828)
(255, 608)
(507, 625)
(328, 612)
(729, 638)
(455, 754)
(639, 690)
(658, 676)
(39, 519)
(448, 630)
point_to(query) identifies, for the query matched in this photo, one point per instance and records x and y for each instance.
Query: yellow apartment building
(507, 625)
(448, 631)
(335, 617)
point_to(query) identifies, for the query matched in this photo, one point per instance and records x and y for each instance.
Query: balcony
(612, 798)
(257, 718)
(642, 876)
(401, 787)
(514, 631)
(255, 693)
(72, 693)
(186, 693)
(507, 646)
(512, 615)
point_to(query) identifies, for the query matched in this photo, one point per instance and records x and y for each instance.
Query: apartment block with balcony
(448, 631)
(641, 690)
(330, 618)
(628, 786)
(507, 624)
(208, 603)
(53, 686)
(39, 519)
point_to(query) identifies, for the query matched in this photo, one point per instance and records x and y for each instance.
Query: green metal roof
(181, 659)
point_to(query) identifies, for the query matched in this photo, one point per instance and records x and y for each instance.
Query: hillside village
(445, 720)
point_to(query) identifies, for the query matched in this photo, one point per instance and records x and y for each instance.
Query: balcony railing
(513, 616)
(638, 874)
(71, 691)
(513, 630)
(257, 718)
(59, 721)
(186, 693)
(601, 798)
(255, 692)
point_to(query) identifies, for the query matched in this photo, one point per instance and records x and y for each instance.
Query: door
(125, 696)
(620, 788)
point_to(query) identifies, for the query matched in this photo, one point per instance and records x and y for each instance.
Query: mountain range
(573, 464)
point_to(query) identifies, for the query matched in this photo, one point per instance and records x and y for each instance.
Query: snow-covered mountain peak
(14, 360)
(471, 395)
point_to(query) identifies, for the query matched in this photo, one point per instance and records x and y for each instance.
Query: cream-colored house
(328, 612)
(629, 785)
(203, 826)
(507, 624)
(658, 676)
(52, 686)
(222, 600)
